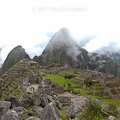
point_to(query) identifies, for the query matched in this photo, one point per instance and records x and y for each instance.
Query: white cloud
(22, 22)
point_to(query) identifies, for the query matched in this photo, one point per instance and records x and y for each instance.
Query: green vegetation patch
(60, 80)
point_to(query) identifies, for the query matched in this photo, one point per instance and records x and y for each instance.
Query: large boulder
(26, 101)
(22, 112)
(111, 118)
(14, 101)
(11, 115)
(38, 110)
(45, 100)
(71, 112)
(64, 99)
(4, 107)
(37, 99)
(50, 112)
(47, 81)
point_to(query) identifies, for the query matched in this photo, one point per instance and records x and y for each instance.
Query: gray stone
(71, 112)
(118, 109)
(14, 101)
(37, 99)
(38, 110)
(11, 115)
(45, 99)
(41, 89)
(33, 118)
(111, 118)
(64, 99)
(26, 101)
(22, 112)
(47, 81)
(4, 107)
(50, 112)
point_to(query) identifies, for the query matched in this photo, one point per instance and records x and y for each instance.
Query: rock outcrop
(15, 55)
(4, 107)
(50, 112)
(22, 112)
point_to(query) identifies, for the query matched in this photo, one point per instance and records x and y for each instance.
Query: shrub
(98, 109)
(64, 116)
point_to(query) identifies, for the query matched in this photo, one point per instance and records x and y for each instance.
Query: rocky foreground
(46, 107)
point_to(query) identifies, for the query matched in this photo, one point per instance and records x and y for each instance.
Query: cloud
(50, 34)
(1, 61)
(83, 42)
(111, 48)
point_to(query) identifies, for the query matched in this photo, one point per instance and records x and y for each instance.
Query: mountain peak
(16, 54)
(61, 39)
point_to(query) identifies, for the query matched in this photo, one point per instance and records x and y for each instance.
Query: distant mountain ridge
(62, 49)
(114, 54)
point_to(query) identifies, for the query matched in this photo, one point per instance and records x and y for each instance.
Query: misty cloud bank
(111, 48)
(83, 42)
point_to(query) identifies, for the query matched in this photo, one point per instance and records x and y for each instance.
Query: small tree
(68, 77)
(87, 83)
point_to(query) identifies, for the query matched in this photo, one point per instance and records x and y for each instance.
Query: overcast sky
(31, 23)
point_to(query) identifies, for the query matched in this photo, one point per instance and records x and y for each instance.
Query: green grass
(97, 84)
(60, 80)
(85, 93)
(29, 108)
(111, 101)
(92, 90)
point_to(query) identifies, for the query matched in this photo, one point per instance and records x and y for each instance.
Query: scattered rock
(14, 101)
(11, 115)
(111, 118)
(22, 112)
(50, 112)
(4, 107)
(38, 110)
(71, 112)
(45, 99)
(37, 99)
(118, 110)
(47, 81)
(26, 100)
(33, 118)
(64, 99)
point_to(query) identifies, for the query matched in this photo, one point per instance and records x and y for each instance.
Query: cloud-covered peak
(61, 38)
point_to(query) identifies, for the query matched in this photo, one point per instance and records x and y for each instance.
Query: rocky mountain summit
(15, 55)
(62, 49)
